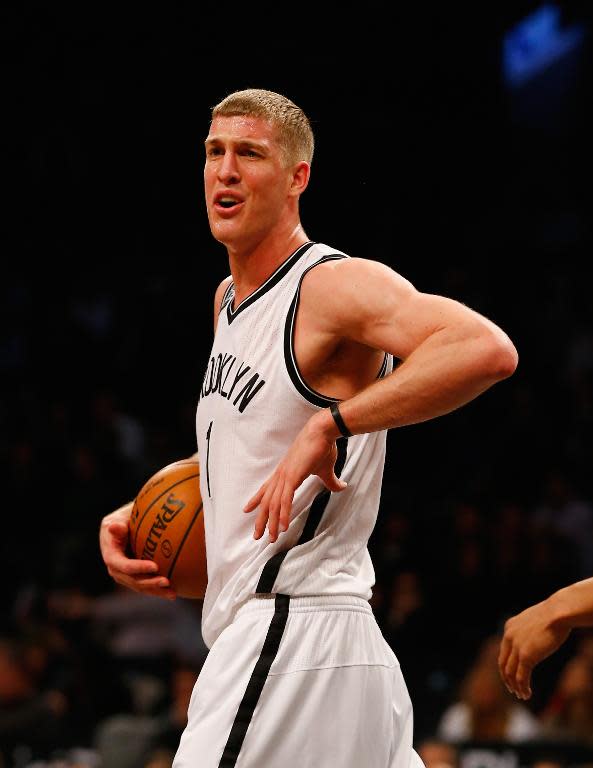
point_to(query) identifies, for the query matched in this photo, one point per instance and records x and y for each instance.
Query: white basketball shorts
(304, 682)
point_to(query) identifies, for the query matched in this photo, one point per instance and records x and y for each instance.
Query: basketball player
(535, 633)
(291, 427)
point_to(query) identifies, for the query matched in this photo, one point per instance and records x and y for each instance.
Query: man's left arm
(450, 354)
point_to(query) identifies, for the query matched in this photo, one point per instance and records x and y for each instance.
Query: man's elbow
(502, 357)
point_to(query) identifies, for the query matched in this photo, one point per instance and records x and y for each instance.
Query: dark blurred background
(452, 145)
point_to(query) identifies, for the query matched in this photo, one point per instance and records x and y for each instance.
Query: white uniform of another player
(298, 672)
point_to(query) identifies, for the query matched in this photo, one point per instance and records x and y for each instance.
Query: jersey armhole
(389, 364)
(316, 398)
(311, 395)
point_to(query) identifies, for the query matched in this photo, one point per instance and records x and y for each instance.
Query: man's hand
(314, 452)
(139, 575)
(529, 637)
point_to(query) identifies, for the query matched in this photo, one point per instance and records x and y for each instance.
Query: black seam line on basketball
(182, 542)
(150, 506)
(152, 503)
(271, 569)
(289, 357)
(274, 278)
(256, 682)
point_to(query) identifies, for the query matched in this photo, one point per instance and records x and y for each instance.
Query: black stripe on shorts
(256, 683)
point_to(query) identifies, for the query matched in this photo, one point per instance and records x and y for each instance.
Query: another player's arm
(535, 633)
(450, 354)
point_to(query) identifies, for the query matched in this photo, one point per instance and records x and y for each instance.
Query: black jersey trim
(271, 569)
(256, 682)
(272, 280)
(316, 513)
(226, 296)
(289, 356)
(270, 572)
(383, 368)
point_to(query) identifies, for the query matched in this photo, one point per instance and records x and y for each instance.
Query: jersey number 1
(208, 458)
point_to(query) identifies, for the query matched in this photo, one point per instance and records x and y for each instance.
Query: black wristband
(335, 412)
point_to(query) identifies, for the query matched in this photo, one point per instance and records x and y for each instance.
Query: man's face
(246, 180)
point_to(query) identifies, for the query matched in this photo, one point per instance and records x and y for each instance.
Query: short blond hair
(295, 135)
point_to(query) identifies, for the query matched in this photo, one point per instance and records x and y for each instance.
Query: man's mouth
(227, 202)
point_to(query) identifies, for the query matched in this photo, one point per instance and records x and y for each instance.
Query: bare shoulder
(220, 291)
(353, 286)
(352, 272)
(368, 302)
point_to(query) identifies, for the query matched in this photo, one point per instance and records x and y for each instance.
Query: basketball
(167, 526)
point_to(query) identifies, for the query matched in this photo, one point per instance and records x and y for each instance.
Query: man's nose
(228, 170)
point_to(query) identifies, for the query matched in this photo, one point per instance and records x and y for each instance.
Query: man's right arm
(139, 575)
(538, 631)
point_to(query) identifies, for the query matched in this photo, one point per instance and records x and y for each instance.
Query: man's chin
(225, 234)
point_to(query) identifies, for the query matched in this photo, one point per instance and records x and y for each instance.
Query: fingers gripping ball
(167, 526)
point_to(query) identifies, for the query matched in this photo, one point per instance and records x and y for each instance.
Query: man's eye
(213, 151)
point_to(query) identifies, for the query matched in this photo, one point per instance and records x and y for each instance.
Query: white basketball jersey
(252, 405)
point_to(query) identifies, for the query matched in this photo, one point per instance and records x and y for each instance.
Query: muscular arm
(535, 633)
(450, 354)
(140, 575)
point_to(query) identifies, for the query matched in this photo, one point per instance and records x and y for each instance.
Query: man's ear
(300, 178)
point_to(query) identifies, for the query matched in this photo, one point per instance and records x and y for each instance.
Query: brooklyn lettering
(169, 510)
(229, 378)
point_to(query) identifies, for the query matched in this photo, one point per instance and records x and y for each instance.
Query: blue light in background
(535, 43)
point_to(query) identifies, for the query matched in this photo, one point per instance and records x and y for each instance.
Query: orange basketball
(167, 526)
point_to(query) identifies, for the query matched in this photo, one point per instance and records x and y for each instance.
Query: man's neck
(251, 267)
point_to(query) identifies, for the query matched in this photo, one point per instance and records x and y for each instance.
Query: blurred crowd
(483, 512)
